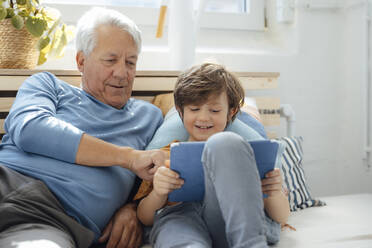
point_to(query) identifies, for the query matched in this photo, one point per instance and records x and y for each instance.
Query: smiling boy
(207, 98)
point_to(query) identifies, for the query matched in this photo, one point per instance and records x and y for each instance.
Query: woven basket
(17, 47)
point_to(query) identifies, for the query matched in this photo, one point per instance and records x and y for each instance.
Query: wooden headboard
(147, 85)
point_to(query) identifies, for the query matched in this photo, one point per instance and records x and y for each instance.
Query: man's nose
(121, 70)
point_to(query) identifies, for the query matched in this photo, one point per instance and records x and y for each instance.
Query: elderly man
(69, 157)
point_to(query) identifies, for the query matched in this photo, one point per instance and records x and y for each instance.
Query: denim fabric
(180, 226)
(231, 214)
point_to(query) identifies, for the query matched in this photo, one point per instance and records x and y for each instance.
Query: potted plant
(39, 28)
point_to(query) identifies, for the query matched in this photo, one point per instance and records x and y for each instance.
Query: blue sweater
(43, 131)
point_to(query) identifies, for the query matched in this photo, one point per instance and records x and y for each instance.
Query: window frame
(145, 16)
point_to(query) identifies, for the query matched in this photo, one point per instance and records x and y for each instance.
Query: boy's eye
(194, 109)
(215, 110)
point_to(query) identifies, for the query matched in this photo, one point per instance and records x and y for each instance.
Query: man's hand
(145, 163)
(272, 183)
(123, 230)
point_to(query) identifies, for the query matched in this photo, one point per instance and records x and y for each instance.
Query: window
(228, 6)
(218, 14)
(131, 3)
(233, 6)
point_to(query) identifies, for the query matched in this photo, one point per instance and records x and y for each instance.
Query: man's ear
(80, 60)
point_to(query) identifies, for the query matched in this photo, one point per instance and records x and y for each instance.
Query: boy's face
(202, 121)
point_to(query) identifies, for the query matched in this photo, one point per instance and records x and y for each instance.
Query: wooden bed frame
(147, 85)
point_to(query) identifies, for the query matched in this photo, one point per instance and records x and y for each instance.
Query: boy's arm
(148, 206)
(277, 207)
(165, 181)
(276, 204)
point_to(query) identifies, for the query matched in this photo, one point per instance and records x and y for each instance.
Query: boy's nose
(203, 115)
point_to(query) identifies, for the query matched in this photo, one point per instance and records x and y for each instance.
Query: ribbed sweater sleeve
(33, 124)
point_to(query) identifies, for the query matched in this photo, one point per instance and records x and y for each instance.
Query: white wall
(320, 58)
(330, 56)
(352, 107)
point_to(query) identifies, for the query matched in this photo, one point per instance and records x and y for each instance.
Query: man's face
(109, 70)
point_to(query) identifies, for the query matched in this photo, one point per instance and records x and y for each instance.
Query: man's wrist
(127, 157)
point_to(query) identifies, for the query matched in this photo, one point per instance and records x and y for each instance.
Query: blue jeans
(231, 214)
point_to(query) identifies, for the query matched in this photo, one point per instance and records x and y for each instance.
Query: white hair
(97, 16)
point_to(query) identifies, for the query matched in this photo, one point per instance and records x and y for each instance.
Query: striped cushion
(294, 177)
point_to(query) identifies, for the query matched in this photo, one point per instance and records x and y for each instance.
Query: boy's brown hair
(195, 85)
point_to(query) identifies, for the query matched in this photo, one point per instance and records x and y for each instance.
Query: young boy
(207, 98)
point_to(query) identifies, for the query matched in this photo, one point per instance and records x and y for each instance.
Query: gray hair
(97, 16)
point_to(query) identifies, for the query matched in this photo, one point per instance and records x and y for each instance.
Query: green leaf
(36, 26)
(17, 22)
(9, 13)
(43, 55)
(70, 32)
(30, 7)
(21, 2)
(53, 27)
(2, 13)
(23, 13)
(43, 42)
(40, 21)
(60, 43)
(42, 58)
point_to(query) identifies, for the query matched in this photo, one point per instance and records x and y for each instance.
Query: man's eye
(110, 60)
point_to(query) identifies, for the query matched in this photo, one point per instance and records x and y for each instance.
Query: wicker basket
(17, 47)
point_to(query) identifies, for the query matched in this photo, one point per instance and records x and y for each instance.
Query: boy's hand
(166, 180)
(272, 183)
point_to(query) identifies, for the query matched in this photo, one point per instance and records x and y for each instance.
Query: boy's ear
(232, 113)
(179, 112)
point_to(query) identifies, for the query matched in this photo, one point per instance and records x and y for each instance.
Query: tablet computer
(185, 159)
